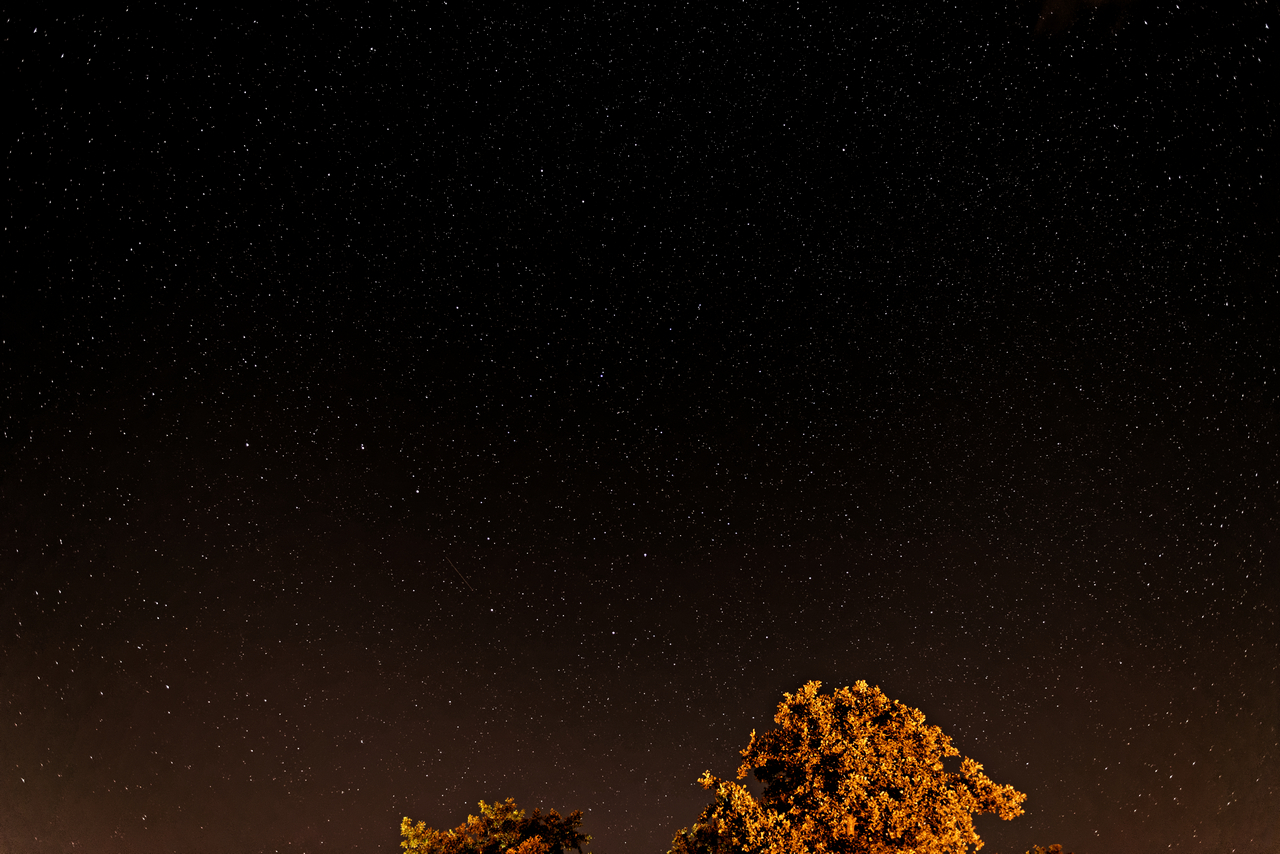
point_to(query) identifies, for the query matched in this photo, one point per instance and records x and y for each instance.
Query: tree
(501, 828)
(852, 772)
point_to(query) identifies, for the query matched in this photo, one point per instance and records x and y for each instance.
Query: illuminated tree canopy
(851, 772)
(501, 828)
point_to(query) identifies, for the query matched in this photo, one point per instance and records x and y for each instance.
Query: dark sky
(719, 349)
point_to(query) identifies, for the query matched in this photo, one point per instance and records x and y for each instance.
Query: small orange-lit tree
(851, 772)
(501, 828)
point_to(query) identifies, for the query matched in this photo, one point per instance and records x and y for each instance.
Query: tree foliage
(851, 772)
(501, 828)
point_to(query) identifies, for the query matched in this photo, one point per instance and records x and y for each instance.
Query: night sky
(403, 408)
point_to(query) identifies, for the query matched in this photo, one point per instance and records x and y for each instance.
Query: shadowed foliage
(501, 828)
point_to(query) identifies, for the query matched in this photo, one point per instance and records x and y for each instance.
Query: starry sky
(407, 407)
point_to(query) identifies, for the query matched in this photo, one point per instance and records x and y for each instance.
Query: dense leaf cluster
(501, 828)
(852, 772)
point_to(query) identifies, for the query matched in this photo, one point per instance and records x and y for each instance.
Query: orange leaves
(852, 772)
(532, 845)
(849, 772)
(420, 838)
(501, 828)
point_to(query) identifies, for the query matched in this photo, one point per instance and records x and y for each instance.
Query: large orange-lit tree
(850, 772)
(501, 828)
